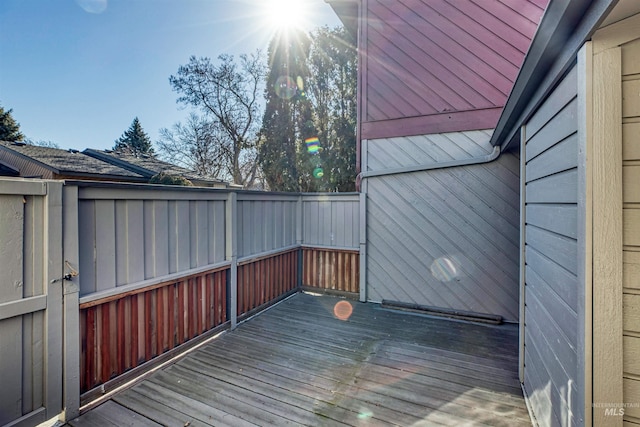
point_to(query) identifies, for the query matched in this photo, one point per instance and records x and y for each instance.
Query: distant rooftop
(148, 166)
(63, 162)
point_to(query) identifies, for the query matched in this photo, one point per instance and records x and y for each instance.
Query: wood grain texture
(265, 280)
(379, 367)
(122, 333)
(331, 269)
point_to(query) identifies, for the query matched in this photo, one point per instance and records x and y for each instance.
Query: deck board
(297, 364)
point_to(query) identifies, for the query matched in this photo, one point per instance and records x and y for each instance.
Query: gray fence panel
(125, 240)
(331, 220)
(30, 301)
(266, 224)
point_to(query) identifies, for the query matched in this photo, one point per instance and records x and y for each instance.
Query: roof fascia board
(564, 28)
(31, 159)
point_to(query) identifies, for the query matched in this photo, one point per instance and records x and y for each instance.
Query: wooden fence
(147, 271)
(161, 266)
(123, 331)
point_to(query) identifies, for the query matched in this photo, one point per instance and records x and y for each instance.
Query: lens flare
(313, 145)
(342, 310)
(318, 173)
(285, 87)
(444, 269)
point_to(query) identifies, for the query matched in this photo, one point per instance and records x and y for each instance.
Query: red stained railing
(123, 331)
(331, 269)
(264, 280)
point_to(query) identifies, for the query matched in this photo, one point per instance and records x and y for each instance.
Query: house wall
(430, 66)
(445, 237)
(26, 167)
(551, 258)
(631, 226)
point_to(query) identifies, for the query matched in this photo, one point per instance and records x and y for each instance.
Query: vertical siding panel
(202, 233)
(184, 235)
(164, 237)
(211, 235)
(172, 246)
(135, 241)
(105, 245)
(193, 234)
(87, 245)
(149, 239)
(121, 252)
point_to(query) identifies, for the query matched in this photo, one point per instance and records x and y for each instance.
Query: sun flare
(283, 14)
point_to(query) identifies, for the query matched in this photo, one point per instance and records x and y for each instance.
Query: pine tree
(134, 141)
(9, 128)
(288, 118)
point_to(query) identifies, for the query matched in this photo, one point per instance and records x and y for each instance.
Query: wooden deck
(298, 364)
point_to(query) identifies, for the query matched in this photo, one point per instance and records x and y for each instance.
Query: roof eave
(347, 11)
(564, 28)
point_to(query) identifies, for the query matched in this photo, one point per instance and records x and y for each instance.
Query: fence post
(71, 306)
(299, 237)
(363, 247)
(231, 254)
(53, 313)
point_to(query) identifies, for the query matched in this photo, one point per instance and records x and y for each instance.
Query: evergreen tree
(288, 118)
(9, 128)
(333, 64)
(309, 125)
(134, 140)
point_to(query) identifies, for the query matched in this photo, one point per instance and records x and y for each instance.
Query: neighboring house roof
(149, 166)
(6, 170)
(67, 163)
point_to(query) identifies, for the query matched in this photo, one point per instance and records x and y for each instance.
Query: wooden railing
(325, 269)
(121, 332)
(162, 269)
(263, 280)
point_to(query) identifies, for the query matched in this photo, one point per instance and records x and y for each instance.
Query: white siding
(445, 237)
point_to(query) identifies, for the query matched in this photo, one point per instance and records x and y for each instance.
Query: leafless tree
(199, 145)
(228, 93)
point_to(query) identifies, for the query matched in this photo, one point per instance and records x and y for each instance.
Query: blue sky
(76, 72)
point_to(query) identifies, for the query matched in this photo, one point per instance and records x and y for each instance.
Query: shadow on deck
(298, 364)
